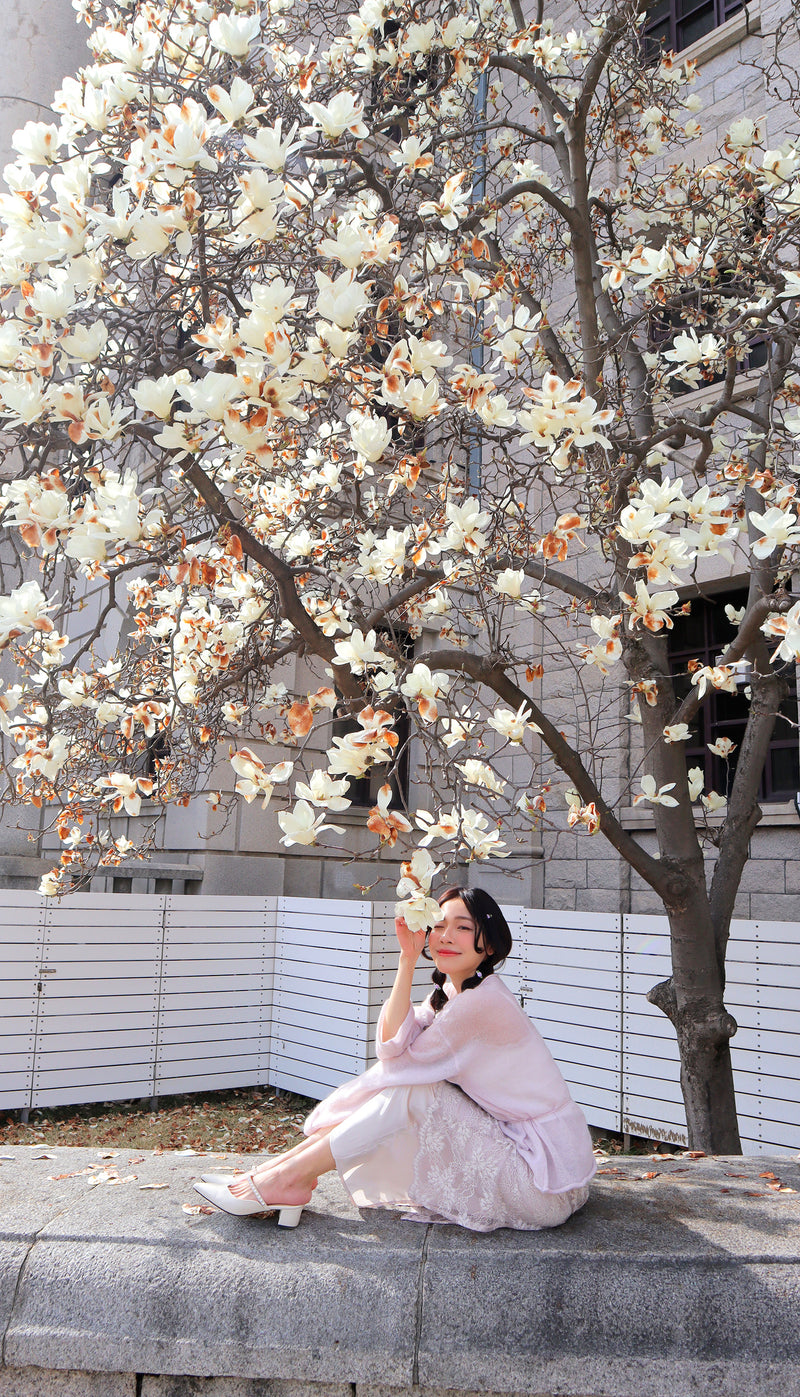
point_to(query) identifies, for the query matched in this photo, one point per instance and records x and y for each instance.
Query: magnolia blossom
(656, 795)
(722, 747)
(479, 840)
(478, 773)
(713, 802)
(508, 583)
(779, 529)
(255, 782)
(677, 732)
(387, 824)
(424, 686)
(342, 115)
(126, 791)
(446, 826)
(25, 609)
(651, 611)
(787, 627)
(359, 651)
(418, 909)
(586, 815)
(466, 523)
(452, 204)
(714, 677)
(234, 33)
(301, 826)
(320, 790)
(370, 435)
(513, 726)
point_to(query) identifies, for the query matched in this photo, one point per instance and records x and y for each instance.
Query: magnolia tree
(324, 334)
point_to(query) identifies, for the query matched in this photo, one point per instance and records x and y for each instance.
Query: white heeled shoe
(220, 1195)
(226, 1179)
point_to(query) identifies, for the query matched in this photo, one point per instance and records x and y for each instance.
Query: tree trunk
(693, 1000)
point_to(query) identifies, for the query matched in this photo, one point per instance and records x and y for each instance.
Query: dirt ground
(249, 1120)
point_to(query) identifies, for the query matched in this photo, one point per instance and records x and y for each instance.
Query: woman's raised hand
(411, 942)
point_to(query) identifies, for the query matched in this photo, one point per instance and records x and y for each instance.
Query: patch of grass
(246, 1120)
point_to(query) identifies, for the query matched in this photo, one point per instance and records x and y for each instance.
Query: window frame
(714, 718)
(719, 12)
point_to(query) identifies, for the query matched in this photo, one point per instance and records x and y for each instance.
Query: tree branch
(492, 674)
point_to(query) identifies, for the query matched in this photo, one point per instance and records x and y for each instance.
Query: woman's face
(452, 943)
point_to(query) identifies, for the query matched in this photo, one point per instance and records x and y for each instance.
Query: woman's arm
(399, 1002)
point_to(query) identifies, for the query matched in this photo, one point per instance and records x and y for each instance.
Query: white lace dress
(431, 1150)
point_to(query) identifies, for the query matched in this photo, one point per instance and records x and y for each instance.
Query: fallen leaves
(142, 1187)
(195, 1208)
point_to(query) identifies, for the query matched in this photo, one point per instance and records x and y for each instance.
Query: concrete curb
(681, 1284)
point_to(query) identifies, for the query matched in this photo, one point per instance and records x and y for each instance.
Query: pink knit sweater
(483, 1042)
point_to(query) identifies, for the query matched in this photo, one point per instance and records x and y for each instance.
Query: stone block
(763, 876)
(776, 842)
(340, 878)
(597, 900)
(137, 1285)
(564, 873)
(243, 875)
(646, 903)
(561, 900)
(167, 1386)
(792, 873)
(764, 907)
(56, 1382)
(302, 875)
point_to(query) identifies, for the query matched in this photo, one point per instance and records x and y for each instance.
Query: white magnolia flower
(508, 583)
(371, 436)
(655, 795)
(343, 114)
(713, 802)
(233, 105)
(481, 841)
(25, 609)
(722, 747)
(512, 726)
(423, 687)
(466, 522)
(234, 33)
(696, 777)
(779, 529)
(322, 791)
(358, 651)
(340, 299)
(302, 826)
(677, 732)
(787, 627)
(480, 774)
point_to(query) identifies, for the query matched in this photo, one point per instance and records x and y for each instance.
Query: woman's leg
(290, 1178)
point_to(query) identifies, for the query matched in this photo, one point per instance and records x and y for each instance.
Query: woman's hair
(491, 930)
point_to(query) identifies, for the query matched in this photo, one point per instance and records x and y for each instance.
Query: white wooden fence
(107, 997)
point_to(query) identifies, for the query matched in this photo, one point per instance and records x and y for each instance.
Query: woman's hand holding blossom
(411, 942)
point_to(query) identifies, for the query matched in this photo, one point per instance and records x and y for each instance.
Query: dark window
(400, 93)
(703, 309)
(363, 790)
(703, 635)
(675, 24)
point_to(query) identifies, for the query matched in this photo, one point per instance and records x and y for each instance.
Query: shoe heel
(289, 1217)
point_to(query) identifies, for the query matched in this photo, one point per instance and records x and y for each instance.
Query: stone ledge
(686, 1284)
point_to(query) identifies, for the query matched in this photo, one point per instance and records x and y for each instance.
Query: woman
(464, 1118)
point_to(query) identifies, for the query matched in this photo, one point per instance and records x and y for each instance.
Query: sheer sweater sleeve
(418, 1017)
